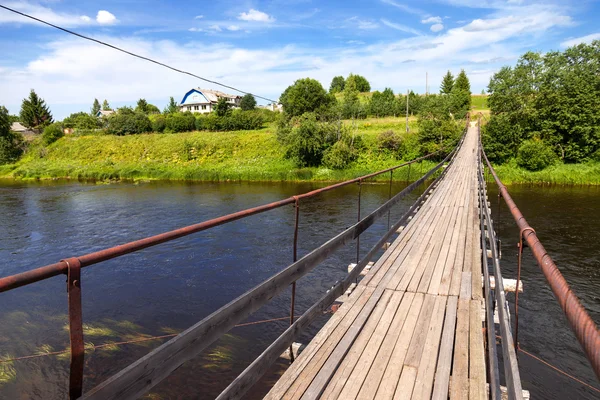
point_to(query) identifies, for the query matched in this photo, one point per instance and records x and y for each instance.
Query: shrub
(535, 155)
(389, 140)
(306, 139)
(81, 121)
(52, 133)
(159, 122)
(128, 122)
(11, 147)
(340, 155)
(180, 122)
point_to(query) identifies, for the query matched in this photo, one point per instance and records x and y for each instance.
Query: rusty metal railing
(72, 266)
(583, 326)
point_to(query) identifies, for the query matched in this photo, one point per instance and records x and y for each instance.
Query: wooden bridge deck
(413, 326)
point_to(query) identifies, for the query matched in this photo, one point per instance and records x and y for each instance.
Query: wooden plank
(477, 389)
(465, 286)
(340, 339)
(449, 267)
(425, 374)
(415, 350)
(341, 319)
(371, 384)
(442, 373)
(371, 348)
(406, 383)
(460, 367)
(392, 373)
(436, 278)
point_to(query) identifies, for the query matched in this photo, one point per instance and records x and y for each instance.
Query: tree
(146, 108)
(337, 84)
(248, 102)
(222, 107)
(10, 142)
(461, 95)
(95, 107)
(34, 112)
(305, 95)
(447, 83)
(351, 107)
(106, 106)
(81, 120)
(172, 107)
(361, 83)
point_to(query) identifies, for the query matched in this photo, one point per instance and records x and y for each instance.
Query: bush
(159, 123)
(52, 133)
(389, 140)
(340, 155)
(306, 139)
(81, 121)
(535, 155)
(237, 120)
(180, 122)
(128, 122)
(11, 148)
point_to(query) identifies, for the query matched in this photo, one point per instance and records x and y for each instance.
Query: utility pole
(406, 110)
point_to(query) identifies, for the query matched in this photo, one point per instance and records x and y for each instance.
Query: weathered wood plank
(460, 368)
(477, 389)
(442, 373)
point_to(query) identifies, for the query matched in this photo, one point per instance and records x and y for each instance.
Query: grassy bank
(559, 174)
(240, 156)
(203, 156)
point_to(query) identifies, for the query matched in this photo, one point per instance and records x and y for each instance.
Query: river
(165, 289)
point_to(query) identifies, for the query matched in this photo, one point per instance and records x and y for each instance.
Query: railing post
(408, 178)
(295, 258)
(75, 327)
(358, 237)
(390, 196)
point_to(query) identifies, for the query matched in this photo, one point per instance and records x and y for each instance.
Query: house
(19, 128)
(273, 107)
(104, 113)
(204, 100)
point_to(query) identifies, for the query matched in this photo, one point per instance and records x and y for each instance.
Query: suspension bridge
(423, 322)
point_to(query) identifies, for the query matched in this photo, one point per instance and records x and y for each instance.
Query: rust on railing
(585, 329)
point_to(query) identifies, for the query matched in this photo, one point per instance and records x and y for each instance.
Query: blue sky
(263, 46)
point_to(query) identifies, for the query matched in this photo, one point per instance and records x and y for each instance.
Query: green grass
(479, 102)
(559, 174)
(203, 156)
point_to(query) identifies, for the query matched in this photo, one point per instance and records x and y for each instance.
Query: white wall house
(203, 100)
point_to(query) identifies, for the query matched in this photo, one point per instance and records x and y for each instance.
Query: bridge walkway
(413, 326)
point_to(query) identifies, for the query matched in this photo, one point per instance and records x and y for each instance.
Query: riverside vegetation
(542, 128)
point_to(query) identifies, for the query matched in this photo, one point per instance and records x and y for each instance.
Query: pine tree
(35, 113)
(461, 95)
(222, 107)
(95, 107)
(462, 82)
(171, 108)
(447, 83)
(106, 106)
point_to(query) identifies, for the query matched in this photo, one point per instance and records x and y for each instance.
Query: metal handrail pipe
(585, 329)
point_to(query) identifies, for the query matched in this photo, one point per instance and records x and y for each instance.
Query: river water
(165, 289)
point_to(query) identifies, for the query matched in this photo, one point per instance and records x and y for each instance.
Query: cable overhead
(133, 54)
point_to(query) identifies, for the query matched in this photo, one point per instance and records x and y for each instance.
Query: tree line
(546, 109)
(313, 134)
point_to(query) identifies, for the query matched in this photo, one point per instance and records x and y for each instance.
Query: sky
(264, 46)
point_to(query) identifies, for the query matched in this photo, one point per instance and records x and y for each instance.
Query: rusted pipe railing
(585, 329)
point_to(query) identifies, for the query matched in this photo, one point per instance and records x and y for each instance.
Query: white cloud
(43, 13)
(436, 27)
(196, 30)
(199, 17)
(582, 39)
(105, 18)
(365, 25)
(404, 7)
(432, 20)
(255, 15)
(233, 28)
(215, 28)
(400, 27)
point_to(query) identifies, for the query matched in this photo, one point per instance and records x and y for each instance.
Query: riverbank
(240, 156)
